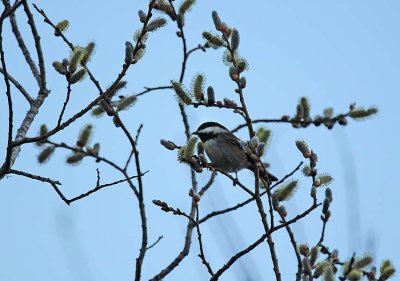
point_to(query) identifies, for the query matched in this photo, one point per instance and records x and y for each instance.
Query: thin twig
(244, 203)
(65, 104)
(301, 122)
(208, 184)
(38, 46)
(150, 89)
(202, 255)
(42, 179)
(98, 187)
(155, 243)
(294, 244)
(18, 86)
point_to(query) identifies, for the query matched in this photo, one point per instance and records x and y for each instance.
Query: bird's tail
(264, 174)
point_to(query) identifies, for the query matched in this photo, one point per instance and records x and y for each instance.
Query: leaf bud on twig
(128, 52)
(45, 155)
(168, 144)
(78, 76)
(142, 16)
(303, 148)
(235, 39)
(210, 95)
(180, 19)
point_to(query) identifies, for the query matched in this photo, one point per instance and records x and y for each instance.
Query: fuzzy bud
(210, 95)
(186, 6)
(325, 179)
(61, 27)
(189, 151)
(306, 106)
(299, 112)
(361, 113)
(314, 255)
(235, 39)
(303, 147)
(263, 135)
(216, 19)
(78, 76)
(328, 194)
(320, 268)
(254, 142)
(286, 191)
(128, 52)
(313, 192)
(363, 262)
(43, 130)
(328, 273)
(106, 107)
(307, 171)
(45, 155)
(354, 275)
(168, 144)
(233, 73)
(156, 24)
(180, 19)
(242, 65)
(198, 87)
(304, 250)
(181, 94)
(75, 158)
(275, 202)
(85, 135)
(60, 68)
(88, 51)
(282, 211)
(142, 16)
(215, 41)
(325, 205)
(260, 149)
(126, 103)
(75, 60)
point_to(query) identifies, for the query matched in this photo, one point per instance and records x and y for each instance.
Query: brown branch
(7, 161)
(38, 46)
(23, 47)
(216, 105)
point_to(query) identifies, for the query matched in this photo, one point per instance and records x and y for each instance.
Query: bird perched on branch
(226, 151)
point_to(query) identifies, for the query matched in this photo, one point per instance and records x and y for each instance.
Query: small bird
(225, 150)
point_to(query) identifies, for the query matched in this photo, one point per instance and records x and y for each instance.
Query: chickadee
(225, 150)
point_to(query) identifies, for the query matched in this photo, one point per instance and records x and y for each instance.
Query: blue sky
(333, 52)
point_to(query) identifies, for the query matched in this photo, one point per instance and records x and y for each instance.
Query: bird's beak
(195, 133)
